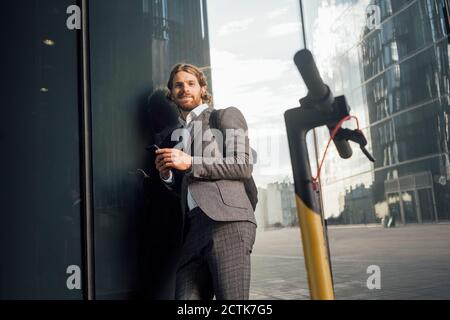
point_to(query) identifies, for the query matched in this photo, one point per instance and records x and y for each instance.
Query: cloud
(235, 26)
(278, 13)
(284, 29)
(233, 71)
(263, 89)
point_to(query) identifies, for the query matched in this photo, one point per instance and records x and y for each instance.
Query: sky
(253, 43)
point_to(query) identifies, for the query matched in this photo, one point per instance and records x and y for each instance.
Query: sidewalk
(414, 262)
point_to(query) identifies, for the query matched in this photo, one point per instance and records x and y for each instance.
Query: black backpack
(249, 184)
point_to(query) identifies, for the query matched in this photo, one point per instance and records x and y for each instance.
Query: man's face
(186, 91)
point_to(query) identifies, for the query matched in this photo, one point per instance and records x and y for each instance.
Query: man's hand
(167, 159)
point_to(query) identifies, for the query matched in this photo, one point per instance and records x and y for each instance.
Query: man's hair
(189, 68)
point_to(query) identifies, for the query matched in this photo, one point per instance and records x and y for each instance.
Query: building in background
(261, 212)
(276, 206)
(179, 34)
(358, 207)
(391, 60)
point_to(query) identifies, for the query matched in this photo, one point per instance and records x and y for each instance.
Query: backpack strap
(214, 119)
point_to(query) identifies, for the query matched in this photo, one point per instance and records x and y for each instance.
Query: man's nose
(185, 89)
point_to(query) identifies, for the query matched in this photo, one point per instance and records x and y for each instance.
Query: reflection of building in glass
(180, 34)
(276, 206)
(397, 80)
(261, 209)
(358, 207)
(417, 202)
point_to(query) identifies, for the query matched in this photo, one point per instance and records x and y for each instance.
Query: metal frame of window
(302, 18)
(161, 22)
(88, 271)
(314, 131)
(446, 8)
(394, 187)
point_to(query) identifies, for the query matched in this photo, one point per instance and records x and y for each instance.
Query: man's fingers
(168, 166)
(165, 151)
(161, 158)
(159, 167)
(167, 159)
(171, 157)
(160, 163)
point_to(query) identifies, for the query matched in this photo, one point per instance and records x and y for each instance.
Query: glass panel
(132, 52)
(252, 68)
(395, 73)
(409, 205)
(426, 205)
(394, 214)
(40, 233)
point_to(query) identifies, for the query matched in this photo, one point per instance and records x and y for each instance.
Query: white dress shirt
(192, 204)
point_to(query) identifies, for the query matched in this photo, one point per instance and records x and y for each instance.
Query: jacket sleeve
(174, 182)
(237, 162)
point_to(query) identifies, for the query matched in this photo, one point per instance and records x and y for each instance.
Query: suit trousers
(215, 259)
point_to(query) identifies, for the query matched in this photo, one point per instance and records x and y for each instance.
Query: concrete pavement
(414, 261)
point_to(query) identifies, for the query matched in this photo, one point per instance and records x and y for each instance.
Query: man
(219, 221)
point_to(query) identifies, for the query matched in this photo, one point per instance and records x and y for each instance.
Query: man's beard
(186, 109)
(190, 108)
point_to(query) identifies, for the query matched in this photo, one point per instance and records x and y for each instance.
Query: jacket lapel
(197, 130)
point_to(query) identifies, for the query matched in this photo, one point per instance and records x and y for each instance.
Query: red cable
(332, 136)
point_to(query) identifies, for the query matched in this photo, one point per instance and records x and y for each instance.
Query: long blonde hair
(189, 68)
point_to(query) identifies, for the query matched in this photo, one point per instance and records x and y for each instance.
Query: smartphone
(152, 148)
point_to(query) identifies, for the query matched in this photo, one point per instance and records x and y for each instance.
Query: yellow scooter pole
(318, 108)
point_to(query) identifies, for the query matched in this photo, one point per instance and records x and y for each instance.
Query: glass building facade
(391, 60)
(74, 128)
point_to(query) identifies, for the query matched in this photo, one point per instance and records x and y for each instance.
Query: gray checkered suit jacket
(218, 188)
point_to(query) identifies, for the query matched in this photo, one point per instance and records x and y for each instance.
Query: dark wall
(121, 81)
(136, 219)
(39, 143)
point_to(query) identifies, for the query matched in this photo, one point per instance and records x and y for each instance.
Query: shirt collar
(193, 114)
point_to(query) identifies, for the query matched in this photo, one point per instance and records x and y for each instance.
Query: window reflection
(397, 77)
(404, 80)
